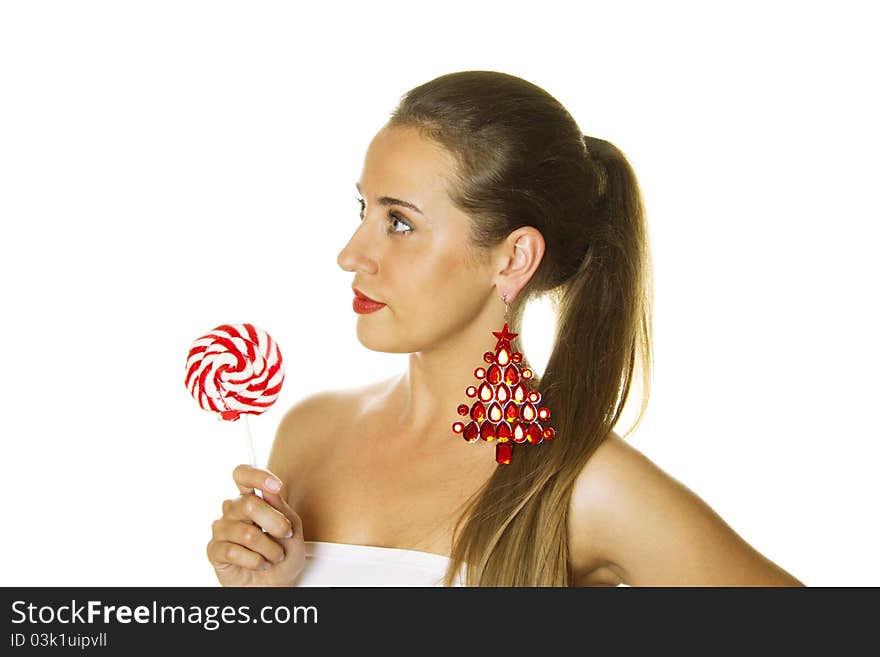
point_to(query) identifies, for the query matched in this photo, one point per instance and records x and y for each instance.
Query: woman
(480, 193)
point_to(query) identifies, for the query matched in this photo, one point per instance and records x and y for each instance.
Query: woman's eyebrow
(390, 200)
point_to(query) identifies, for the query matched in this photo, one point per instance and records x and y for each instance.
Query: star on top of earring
(504, 334)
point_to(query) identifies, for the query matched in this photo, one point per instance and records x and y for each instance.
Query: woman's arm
(651, 530)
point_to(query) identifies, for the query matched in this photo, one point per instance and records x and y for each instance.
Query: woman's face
(414, 261)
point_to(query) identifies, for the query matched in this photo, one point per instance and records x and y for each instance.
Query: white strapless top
(346, 564)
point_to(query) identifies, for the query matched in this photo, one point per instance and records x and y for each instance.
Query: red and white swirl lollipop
(235, 370)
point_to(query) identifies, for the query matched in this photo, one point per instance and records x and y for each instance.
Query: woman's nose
(357, 254)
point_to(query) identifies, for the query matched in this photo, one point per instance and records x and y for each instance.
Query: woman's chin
(382, 341)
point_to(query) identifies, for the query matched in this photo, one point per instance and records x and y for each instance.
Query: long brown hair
(522, 160)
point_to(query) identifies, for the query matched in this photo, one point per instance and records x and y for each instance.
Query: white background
(166, 167)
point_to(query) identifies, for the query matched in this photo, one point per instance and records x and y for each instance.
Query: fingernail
(273, 484)
(289, 533)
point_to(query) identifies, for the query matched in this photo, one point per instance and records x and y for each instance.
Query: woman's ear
(518, 259)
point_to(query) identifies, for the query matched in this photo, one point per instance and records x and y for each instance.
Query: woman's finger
(223, 553)
(250, 479)
(251, 509)
(255, 539)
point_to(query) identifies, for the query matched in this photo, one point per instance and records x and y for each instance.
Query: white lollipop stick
(248, 441)
(249, 445)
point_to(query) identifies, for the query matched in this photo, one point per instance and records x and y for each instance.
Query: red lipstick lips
(362, 304)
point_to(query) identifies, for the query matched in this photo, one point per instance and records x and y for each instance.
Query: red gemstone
(549, 432)
(471, 432)
(519, 433)
(489, 357)
(504, 432)
(462, 409)
(494, 413)
(471, 391)
(511, 375)
(502, 453)
(457, 427)
(494, 374)
(487, 431)
(478, 411)
(534, 433)
(511, 411)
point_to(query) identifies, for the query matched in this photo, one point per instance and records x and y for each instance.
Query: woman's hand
(257, 542)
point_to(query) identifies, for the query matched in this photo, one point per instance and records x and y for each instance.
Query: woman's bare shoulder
(590, 566)
(308, 422)
(301, 426)
(647, 528)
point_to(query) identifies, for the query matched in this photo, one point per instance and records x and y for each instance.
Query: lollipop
(235, 371)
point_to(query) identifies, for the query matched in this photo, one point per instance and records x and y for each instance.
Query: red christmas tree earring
(505, 409)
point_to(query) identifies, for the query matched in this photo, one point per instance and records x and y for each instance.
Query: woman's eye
(394, 218)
